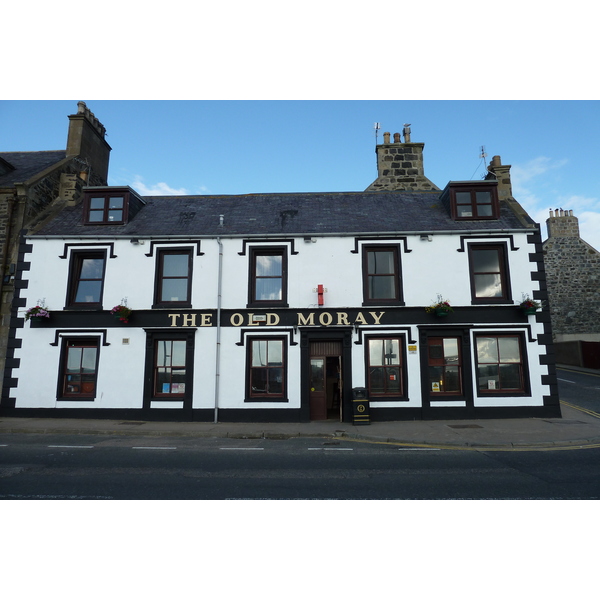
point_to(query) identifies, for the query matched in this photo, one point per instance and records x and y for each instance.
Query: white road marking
(70, 446)
(567, 380)
(153, 448)
(330, 449)
(241, 448)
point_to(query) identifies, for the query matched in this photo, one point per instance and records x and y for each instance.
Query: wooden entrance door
(325, 385)
(318, 396)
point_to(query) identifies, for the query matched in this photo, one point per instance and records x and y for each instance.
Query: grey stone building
(35, 186)
(573, 280)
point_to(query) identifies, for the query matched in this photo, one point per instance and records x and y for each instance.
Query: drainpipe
(218, 349)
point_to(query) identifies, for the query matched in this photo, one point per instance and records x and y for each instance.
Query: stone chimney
(496, 170)
(86, 140)
(400, 166)
(562, 223)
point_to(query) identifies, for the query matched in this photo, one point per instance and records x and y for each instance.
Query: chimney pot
(386, 137)
(396, 138)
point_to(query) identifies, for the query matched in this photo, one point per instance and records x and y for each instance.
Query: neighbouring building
(36, 185)
(573, 280)
(285, 307)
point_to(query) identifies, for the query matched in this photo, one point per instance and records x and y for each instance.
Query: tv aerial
(376, 127)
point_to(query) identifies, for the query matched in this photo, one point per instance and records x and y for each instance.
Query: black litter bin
(360, 407)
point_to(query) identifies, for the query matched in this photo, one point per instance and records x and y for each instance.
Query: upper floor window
(268, 277)
(86, 279)
(381, 275)
(474, 201)
(106, 208)
(490, 280)
(173, 278)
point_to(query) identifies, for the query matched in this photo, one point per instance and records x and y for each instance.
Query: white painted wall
(431, 268)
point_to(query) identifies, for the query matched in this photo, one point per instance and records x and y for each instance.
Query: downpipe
(218, 348)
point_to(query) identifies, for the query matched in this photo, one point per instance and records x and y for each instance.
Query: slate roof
(28, 164)
(281, 214)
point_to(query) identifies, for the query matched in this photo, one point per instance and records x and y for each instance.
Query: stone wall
(573, 279)
(400, 167)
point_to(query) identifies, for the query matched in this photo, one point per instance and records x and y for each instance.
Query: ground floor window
(79, 368)
(444, 366)
(169, 368)
(385, 367)
(500, 363)
(266, 369)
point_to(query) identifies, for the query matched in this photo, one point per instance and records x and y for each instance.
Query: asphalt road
(92, 467)
(580, 389)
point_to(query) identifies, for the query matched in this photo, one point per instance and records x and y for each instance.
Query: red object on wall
(320, 291)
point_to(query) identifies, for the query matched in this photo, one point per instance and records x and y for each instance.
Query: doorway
(325, 380)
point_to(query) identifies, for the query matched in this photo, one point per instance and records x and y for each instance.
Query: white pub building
(277, 307)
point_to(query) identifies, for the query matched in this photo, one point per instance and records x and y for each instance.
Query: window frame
(74, 278)
(504, 273)
(398, 299)
(402, 369)
(152, 339)
(472, 190)
(266, 397)
(77, 342)
(159, 278)
(524, 389)
(461, 374)
(256, 251)
(106, 196)
(155, 368)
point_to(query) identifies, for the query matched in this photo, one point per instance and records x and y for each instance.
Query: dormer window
(473, 201)
(106, 209)
(110, 205)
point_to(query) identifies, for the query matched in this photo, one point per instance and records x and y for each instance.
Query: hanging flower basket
(529, 306)
(441, 308)
(37, 314)
(121, 312)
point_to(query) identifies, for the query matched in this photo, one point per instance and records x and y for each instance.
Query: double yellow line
(580, 409)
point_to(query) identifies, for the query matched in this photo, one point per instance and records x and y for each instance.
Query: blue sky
(237, 147)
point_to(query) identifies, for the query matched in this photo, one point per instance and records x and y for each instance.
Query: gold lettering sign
(238, 319)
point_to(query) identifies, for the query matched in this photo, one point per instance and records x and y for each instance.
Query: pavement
(578, 428)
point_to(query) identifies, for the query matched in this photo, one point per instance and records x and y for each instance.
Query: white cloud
(157, 189)
(534, 168)
(527, 179)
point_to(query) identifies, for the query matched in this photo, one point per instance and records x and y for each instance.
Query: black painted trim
(360, 330)
(84, 332)
(16, 323)
(259, 331)
(91, 246)
(291, 241)
(384, 240)
(176, 246)
(483, 239)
